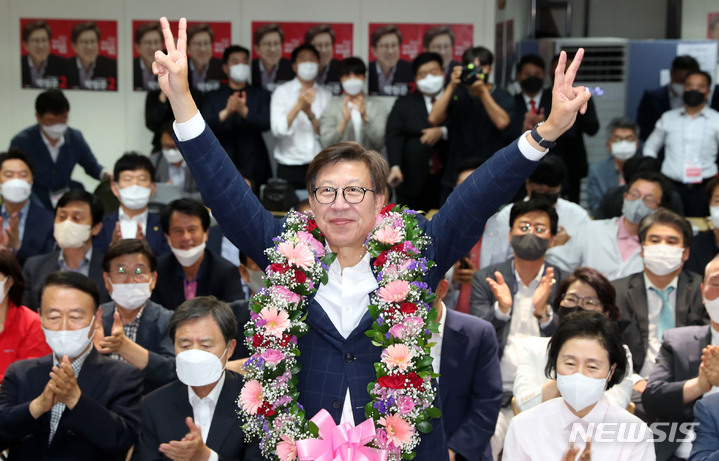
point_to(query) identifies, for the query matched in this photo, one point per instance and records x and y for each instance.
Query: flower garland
(402, 396)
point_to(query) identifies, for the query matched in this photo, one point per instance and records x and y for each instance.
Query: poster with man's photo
(206, 41)
(273, 42)
(68, 54)
(394, 46)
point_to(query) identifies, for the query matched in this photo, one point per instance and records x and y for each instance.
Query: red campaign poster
(273, 42)
(68, 54)
(393, 47)
(713, 25)
(206, 41)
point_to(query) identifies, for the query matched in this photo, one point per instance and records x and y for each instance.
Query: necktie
(666, 315)
(534, 106)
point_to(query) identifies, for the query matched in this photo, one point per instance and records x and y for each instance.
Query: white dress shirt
(428, 104)
(436, 351)
(530, 376)
(54, 150)
(536, 99)
(298, 143)
(687, 141)
(204, 409)
(128, 225)
(654, 304)
(543, 434)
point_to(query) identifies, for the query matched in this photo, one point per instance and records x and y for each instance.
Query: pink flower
(388, 235)
(413, 325)
(394, 292)
(285, 293)
(297, 255)
(397, 331)
(251, 396)
(397, 356)
(405, 404)
(286, 450)
(272, 356)
(277, 321)
(399, 431)
(307, 238)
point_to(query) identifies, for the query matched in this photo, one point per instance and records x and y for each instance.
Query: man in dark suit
(238, 113)
(334, 363)
(89, 408)
(417, 150)
(388, 74)
(206, 72)
(706, 444)
(90, 70)
(55, 149)
(662, 296)
(685, 372)
(533, 103)
(270, 69)
(26, 224)
(470, 401)
(39, 67)
(148, 39)
(133, 184)
(659, 100)
(191, 269)
(134, 329)
(78, 218)
(168, 413)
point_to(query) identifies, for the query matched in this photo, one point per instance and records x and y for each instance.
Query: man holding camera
(476, 112)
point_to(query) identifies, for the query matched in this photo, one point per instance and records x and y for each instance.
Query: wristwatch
(546, 316)
(540, 140)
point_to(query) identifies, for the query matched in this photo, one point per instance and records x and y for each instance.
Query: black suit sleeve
(15, 418)
(664, 395)
(394, 135)
(147, 446)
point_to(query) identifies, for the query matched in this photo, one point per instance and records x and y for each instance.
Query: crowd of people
(122, 311)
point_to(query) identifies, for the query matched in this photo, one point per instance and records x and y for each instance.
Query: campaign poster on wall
(394, 46)
(68, 54)
(273, 43)
(713, 27)
(206, 41)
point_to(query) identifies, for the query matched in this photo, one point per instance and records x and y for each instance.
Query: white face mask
(69, 342)
(581, 391)
(71, 235)
(624, 150)
(15, 190)
(714, 211)
(257, 280)
(172, 155)
(240, 73)
(130, 295)
(196, 367)
(712, 307)
(307, 71)
(431, 84)
(55, 131)
(135, 197)
(187, 258)
(662, 259)
(353, 86)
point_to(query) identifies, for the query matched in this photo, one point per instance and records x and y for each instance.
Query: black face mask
(532, 84)
(693, 98)
(565, 311)
(529, 247)
(551, 198)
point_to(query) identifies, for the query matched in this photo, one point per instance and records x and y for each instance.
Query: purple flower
(420, 285)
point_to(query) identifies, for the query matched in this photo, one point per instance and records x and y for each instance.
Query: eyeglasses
(648, 200)
(588, 302)
(352, 194)
(139, 273)
(539, 229)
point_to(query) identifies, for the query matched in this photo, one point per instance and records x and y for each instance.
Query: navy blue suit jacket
(163, 420)
(706, 445)
(50, 176)
(38, 236)
(331, 363)
(651, 107)
(154, 235)
(470, 400)
(103, 425)
(152, 335)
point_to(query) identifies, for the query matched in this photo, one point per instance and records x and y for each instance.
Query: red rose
(311, 225)
(381, 259)
(398, 248)
(392, 382)
(265, 409)
(300, 276)
(408, 308)
(387, 208)
(257, 340)
(279, 268)
(415, 380)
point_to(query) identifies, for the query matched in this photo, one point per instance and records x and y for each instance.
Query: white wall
(694, 17)
(114, 122)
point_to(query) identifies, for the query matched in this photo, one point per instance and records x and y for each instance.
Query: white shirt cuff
(501, 315)
(547, 322)
(527, 150)
(636, 377)
(189, 129)
(213, 456)
(445, 133)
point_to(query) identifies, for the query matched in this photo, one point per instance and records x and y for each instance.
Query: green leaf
(424, 427)
(329, 258)
(370, 388)
(313, 429)
(368, 409)
(373, 311)
(426, 361)
(434, 412)
(409, 456)
(325, 278)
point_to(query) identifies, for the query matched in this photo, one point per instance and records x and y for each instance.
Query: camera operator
(476, 113)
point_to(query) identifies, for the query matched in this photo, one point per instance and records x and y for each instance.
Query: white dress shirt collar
(203, 409)
(128, 225)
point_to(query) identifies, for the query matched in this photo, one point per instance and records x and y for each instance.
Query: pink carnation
(397, 331)
(307, 238)
(394, 292)
(297, 255)
(399, 431)
(251, 396)
(272, 356)
(277, 321)
(286, 294)
(286, 450)
(388, 235)
(413, 325)
(397, 356)
(405, 404)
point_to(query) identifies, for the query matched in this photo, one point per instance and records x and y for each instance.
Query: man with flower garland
(337, 357)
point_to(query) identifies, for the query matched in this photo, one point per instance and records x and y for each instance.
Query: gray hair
(622, 122)
(204, 306)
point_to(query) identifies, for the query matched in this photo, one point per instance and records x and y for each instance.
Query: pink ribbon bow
(340, 443)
